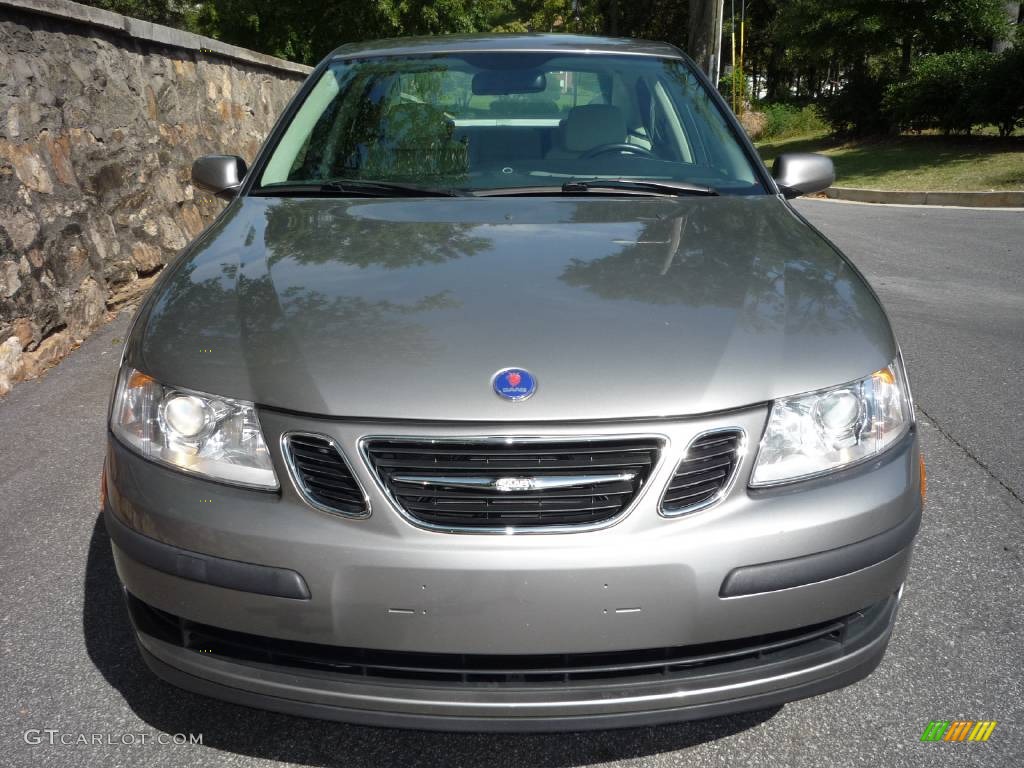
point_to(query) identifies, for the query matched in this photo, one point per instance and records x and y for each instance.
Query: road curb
(966, 199)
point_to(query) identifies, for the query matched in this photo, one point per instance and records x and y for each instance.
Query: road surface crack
(991, 473)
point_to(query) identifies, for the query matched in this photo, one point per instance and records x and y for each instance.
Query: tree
(870, 44)
(307, 30)
(171, 13)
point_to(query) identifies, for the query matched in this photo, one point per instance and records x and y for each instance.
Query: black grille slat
(346, 497)
(704, 455)
(451, 505)
(827, 638)
(316, 474)
(323, 475)
(690, 499)
(710, 462)
(326, 465)
(692, 480)
(505, 512)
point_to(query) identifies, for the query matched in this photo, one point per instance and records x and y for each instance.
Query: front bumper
(836, 548)
(259, 673)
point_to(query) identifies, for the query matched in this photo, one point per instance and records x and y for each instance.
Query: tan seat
(589, 126)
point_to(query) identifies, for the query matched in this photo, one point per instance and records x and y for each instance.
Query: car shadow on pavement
(111, 646)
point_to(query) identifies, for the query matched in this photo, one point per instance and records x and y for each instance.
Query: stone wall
(100, 119)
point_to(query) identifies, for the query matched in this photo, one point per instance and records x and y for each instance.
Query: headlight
(822, 431)
(212, 436)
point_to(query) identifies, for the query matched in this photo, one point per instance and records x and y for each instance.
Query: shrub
(857, 109)
(725, 87)
(753, 123)
(783, 121)
(1001, 97)
(944, 91)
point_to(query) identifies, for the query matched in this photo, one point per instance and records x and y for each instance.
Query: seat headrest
(592, 125)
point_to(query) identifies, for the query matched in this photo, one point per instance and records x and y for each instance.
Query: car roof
(553, 43)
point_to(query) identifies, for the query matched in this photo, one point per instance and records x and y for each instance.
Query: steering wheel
(632, 149)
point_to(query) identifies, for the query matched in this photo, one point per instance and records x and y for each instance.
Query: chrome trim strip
(304, 492)
(725, 490)
(662, 440)
(574, 51)
(457, 482)
(495, 483)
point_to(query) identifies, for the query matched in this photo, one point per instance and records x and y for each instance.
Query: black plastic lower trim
(798, 571)
(510, 724)
(820, 641)
(206, 569)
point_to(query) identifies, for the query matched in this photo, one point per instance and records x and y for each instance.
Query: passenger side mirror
(801, 173)
(219, 175)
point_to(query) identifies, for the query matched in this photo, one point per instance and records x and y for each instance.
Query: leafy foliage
(845, 55)
(856, 110)
(1002, 91)
(172, 13)
(784, 121)
(941, 91)
(307, 30)
(958, 90)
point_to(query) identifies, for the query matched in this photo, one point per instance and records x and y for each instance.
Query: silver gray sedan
(509, 392)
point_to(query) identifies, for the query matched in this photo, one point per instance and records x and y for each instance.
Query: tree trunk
(773, 75)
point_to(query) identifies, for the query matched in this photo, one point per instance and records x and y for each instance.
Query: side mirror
(218, 175)
(801, 173)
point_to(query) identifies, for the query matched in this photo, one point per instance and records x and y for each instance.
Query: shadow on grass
(770, 151)
(935, 161)
(110, 643)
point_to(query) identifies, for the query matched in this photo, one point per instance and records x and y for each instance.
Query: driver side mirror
(802, 173)
(219, 175)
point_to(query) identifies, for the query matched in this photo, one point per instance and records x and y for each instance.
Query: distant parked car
(509, 392)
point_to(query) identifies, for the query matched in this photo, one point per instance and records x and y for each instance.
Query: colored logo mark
(514, 383)
(958, 730)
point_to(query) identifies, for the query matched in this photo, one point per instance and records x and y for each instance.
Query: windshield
(491, 121)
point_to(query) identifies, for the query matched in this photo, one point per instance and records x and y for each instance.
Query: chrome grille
(512, 484)
(322, 475)
(704, 473)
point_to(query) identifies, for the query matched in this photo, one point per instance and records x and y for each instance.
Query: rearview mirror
(802, 173)
(502, 82)
(218, 175)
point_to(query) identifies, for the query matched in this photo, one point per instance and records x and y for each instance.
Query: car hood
(405, 308)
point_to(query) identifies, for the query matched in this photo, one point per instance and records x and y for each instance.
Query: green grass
(917, 163)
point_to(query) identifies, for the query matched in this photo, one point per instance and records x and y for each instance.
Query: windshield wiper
(604, 186)
(355, 188)
(658, 187)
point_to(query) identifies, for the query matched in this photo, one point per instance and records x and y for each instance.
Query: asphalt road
(953, 283)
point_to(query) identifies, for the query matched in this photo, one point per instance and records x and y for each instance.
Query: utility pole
(716, 72)
(704, 41)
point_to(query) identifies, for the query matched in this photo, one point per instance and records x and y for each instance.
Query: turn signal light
(103, 487)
